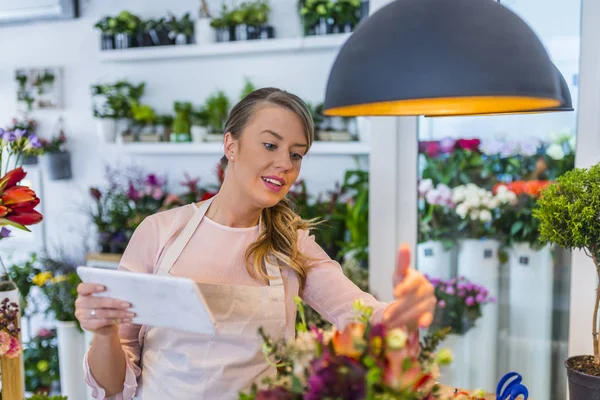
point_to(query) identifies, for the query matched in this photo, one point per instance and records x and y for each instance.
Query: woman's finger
(401, 315)
(96, 324)
(86, 289)
(101, 313)
(100, 302)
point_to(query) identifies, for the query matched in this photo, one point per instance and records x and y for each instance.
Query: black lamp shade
(441, 57)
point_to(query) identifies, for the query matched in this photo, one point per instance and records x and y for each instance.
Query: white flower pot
(198, 133)
(530, 276)
(107, 129)
(455, 375)
(203, 32)
(478, 262)
(364, 129)
(435, 261)
(71, 350)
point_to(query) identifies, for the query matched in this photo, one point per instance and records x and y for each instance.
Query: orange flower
(17, 203)
(12, 178)
(534, 188)
(17, 195)
(401, 377)
(346, 342)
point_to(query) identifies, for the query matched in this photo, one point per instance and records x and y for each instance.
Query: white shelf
(318, 148)
(263, 46)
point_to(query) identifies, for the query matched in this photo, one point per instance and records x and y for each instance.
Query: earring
(231, 158)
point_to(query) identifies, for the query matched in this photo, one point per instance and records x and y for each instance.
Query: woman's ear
(229, 145)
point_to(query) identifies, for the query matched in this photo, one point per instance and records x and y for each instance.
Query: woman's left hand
(415, 299)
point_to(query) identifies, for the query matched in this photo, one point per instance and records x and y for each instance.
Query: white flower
(572, 143)
(425, 186)
(458, 194)
(396, 339)
(433, 197)
(493, 203)
(501, 189)
(528, 147)
(511, 197)
(555, 151)
(461, 210)
(485, 216)
(474, 214)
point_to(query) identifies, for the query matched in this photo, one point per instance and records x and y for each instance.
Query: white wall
(74, 45)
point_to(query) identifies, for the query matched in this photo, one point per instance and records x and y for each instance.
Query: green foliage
(182, 121)
(217, 106)
(116, 99)
(41, 396)
(248, 88)
(41, 361)
(569, 210)
(356, 184)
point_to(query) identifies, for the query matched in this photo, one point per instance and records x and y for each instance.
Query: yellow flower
(41, 278)
(59, 278)
(43, 366)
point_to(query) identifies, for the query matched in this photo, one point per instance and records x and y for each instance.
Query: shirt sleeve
(139, 256)
(328, 291)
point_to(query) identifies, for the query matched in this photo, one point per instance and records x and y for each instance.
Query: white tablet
(165, 301)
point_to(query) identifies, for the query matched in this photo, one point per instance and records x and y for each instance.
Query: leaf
(516, 227)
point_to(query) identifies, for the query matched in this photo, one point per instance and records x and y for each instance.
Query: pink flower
(4, 342)
(45, 333)
(470, 301)
(157, 193)
(441, 304)
(14, 348)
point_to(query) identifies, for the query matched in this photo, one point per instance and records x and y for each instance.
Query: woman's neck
(227, 209)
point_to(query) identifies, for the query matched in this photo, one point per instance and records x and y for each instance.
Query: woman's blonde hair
(278, 240)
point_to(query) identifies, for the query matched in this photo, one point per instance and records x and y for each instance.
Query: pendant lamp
(441, 57)
(566, 103)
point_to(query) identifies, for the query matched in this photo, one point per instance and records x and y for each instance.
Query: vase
(529, 342)
(478, 261)
(71, 350)
(107, 129)
(434, 260)
(11, 369)
(198, 133)
(203, 31)
(58, 165)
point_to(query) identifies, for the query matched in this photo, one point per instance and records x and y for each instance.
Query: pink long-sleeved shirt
(216, 254)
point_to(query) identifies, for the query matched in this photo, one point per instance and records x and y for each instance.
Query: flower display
(10, 345)
(362, 361)
(459, 304)
(436, 213)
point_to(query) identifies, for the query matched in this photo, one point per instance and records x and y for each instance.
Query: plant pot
(345, 28)
(107, 129)
(30, 160)
(529, 344)
(241, 32)
(478, 262)
(71, 350)
(58, 165)
(143, 39)
(582, 386)
(223, 35)
(107, 41)
(202, 31)
(181, 38)
(183, 137)
(160, 37)
(267, 32)
(364, 9)
(198, 133)
(214, 137)
(123, 41)
(434, 260)
(253, 32)
(324, 26)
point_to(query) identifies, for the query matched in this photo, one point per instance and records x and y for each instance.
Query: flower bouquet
(364, 361)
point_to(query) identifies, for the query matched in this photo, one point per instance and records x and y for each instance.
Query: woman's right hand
(101, 315)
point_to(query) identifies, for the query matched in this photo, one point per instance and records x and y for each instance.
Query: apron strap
(175, 249)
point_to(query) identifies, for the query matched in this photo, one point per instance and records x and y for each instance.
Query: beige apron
(181, 365)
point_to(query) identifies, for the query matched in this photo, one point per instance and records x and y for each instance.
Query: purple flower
(441, 304)
(492, 147)
(277, 393)
(19, 133)
(34, 142)
(8, 136)
(132, 193)
(447, 145)
(492, 299)
(154, 180)
(157, 193)
(4, 233)
(450, 290)
(336, 377)
(462, 294)
(470, 301)
(528, 148)
(480, 298)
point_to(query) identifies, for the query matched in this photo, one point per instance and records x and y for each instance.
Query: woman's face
(268, 155)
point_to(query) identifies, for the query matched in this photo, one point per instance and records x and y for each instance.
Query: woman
(250, 253)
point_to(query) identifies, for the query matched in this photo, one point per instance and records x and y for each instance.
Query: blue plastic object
(513, 389)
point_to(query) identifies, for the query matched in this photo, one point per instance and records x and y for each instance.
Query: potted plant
(107, 37)
(181, 31)
(256, 18)
(199, 129)
(217, 107)
(159, 34)
(568, 213)
(143, 123)
(219, 24)
(181, 123)
(346, 15)
(163, 126)
(317, 16)
(41, 362)
(56, 158)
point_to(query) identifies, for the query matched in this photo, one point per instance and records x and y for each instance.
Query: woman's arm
(111, 365)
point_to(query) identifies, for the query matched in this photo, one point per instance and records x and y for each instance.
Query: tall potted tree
(569, 215)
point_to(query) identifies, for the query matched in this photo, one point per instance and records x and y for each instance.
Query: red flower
(12, 178)
(468, 144)
(207, 196)
(431, 148)
(17, 203)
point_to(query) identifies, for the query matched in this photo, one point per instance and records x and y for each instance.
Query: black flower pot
(160, 37)
(582, 386)
(241, 32)
(345, 28)
(58, 165)
(324, 26)
(107, 41)
(267, 32)
(253, 32)
(30, 160)
(143, 39)
(123, 41)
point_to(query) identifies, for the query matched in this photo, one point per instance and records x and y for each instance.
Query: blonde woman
(250, 254)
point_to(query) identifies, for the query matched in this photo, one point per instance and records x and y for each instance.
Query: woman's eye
(296, 156)
(270, 146)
